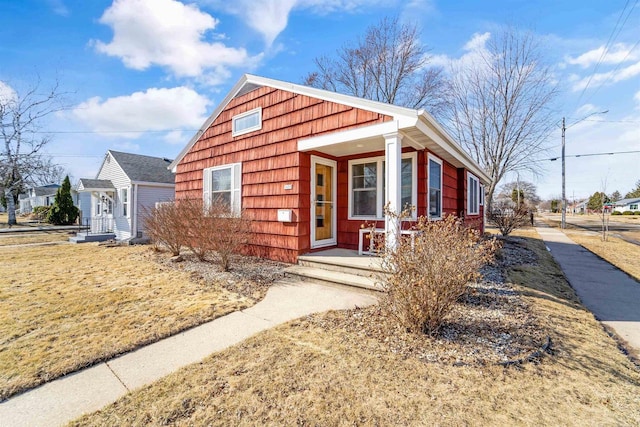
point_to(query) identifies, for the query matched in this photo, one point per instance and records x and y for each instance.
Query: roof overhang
(95, 185)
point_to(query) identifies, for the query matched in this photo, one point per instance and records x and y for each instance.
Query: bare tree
(528, 192)
(389, 64)
(500, 105)
(21, 161)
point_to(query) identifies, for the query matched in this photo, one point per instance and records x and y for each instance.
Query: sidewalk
(610, 294)
(67, 398)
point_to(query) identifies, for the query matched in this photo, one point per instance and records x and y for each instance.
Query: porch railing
(98, 225)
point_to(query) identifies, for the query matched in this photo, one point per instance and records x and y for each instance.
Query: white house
(125, 186)
(37, 196)
(624, 205)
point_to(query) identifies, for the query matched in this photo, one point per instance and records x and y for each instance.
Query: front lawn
(334, 369)
(25, 238)
(65, 307)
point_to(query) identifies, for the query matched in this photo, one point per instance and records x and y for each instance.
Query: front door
(323, 212)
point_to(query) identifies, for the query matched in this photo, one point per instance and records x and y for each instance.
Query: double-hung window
(473, 195)
(367, 187)
(434, 179)
(246, 122)
(223, 184)
(124, 200)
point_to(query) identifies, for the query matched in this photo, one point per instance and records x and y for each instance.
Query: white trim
(431, 157)
(154, 184)
(235, 118)
(471, 177)
(413, 155)
(347, 136)
(123, 203)
(334, 189)
(451, 148)
(481, 195)
(235, 197)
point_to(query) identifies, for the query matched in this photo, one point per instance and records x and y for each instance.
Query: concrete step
(364, 266)
(85, 238)
(322, 275)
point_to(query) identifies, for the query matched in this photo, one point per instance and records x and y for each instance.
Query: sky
(141, 76)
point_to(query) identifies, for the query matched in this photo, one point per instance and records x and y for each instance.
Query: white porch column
(393, 181)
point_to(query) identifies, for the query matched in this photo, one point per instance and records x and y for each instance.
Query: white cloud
(618, 53)
(270, 17)
(169, 34)
(478, 42)
(7, 94)
(153, 110)
(609, 77)
(636, 97)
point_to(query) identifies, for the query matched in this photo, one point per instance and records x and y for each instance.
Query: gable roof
(142, 168)
(85, 184)
(625, 202)
(404, 117)
(46, 190)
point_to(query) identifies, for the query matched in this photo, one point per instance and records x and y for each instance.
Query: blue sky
(142, 75)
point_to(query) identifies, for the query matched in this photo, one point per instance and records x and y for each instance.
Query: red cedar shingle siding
(269, 161)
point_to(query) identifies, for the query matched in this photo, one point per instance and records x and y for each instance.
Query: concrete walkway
(67, 398)
(610, 294)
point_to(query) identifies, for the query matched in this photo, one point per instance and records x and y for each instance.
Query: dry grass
(68, 306)
(8, 239)
(303, 373)
(624, 255)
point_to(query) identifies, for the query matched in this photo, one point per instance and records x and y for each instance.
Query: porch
(339, 266)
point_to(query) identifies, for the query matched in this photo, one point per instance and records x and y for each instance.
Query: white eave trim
(154, 184)
(452, 148)
(341, 137)
(402, 114)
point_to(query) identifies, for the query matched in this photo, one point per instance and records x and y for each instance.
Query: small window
(222, 184)
(435, 188)
(247, 122)
(473, 198)
(633, 207)
(124, 199)
(481, 195)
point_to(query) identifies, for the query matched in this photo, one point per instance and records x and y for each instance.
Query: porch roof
(420, 133)
(86, 185)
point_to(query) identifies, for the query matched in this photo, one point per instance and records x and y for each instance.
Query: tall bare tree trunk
(11, 206)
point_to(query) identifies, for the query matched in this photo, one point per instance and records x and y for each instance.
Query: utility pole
(563, 223)
(564, 200)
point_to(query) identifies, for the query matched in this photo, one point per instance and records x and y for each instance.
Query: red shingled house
(311, 166)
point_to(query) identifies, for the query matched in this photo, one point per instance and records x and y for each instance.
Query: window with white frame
(246, 122)
(223, 184)
(367, 187)
(124, 201)
(481, 195)
(434, 179)
(473, 198)
(633, 207)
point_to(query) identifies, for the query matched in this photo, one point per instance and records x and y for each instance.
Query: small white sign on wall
(284, 215)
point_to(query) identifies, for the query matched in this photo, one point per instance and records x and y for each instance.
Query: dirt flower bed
(249, 276)
(491, 324)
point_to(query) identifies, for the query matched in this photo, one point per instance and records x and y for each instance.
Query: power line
(607, 46)
(593, 154)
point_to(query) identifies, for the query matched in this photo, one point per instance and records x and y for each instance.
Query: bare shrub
(198, 227)
(426, 274)
(231, 233)
(164, 226)
(213, 229)
(508, 218)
